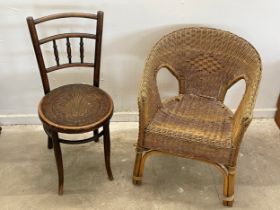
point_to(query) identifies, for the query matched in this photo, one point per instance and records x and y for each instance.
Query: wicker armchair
(196, 124)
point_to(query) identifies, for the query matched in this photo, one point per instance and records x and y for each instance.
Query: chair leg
(137, 179)
(59, 163)
(50, 143)
(229, 181)
(95, 133)
(107, 150)
(0, 130)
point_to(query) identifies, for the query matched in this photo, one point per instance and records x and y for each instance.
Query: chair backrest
(205, 61)
(97, 36)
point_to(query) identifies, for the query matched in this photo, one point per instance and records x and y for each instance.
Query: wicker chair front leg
(229, 182)
(137, 179)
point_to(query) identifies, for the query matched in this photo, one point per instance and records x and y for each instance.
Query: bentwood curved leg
(59, 163)
(95, 133)
(107, 150)
(50, 143)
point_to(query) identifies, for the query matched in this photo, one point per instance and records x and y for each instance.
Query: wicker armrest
(243, 115)
(148, 97)
(148, 102)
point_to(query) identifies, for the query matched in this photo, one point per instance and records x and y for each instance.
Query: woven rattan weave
(196, 124)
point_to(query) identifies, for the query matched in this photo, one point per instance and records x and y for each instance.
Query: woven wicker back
(205, 61)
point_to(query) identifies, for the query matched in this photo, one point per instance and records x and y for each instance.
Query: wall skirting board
(29, 119)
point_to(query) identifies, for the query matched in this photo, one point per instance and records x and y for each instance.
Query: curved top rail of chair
(66, 15)
(228, 33)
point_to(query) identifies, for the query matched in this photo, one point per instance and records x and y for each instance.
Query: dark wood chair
(73, 108)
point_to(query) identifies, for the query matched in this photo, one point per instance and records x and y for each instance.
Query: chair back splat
(97, 36)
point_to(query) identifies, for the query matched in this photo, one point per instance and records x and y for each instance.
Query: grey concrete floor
(28, 178)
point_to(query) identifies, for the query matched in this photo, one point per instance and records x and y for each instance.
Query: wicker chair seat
(202, 121)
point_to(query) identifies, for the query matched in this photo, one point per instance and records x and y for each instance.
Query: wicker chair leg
(137, 179)
(229, 181)
(59, 163)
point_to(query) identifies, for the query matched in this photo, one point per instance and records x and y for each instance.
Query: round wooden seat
(75, 108)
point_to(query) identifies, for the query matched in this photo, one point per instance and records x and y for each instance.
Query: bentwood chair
(196, 124)
(73, 108)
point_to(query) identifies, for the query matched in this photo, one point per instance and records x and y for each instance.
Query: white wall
(131, 27)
